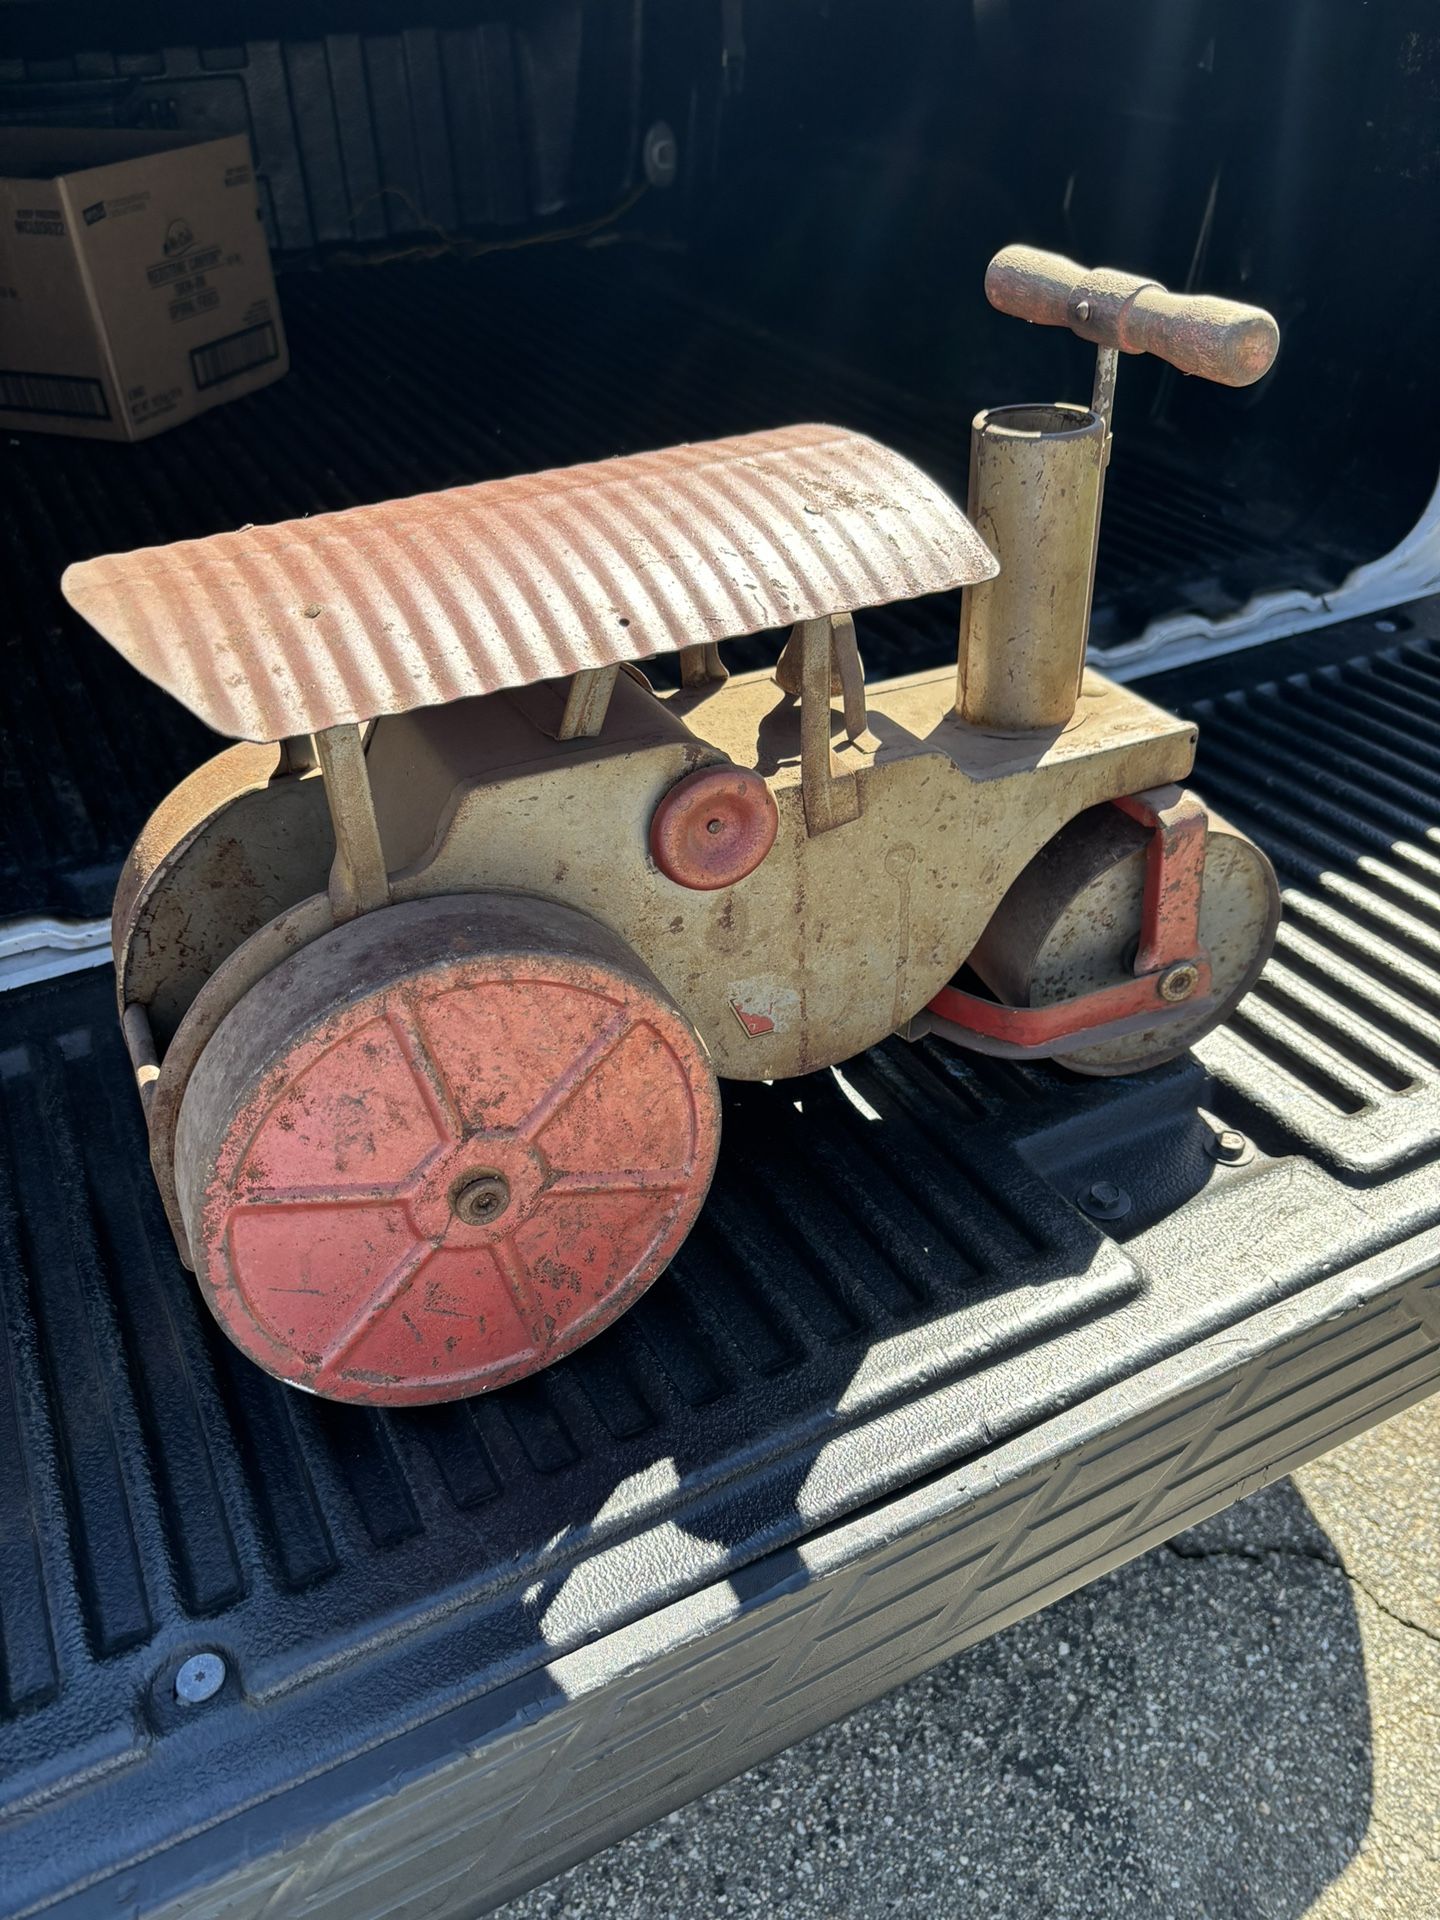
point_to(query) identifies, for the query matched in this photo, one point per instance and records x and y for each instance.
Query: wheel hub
(475, 1189)
(480, 1199)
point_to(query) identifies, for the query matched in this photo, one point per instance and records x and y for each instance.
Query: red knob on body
(714, 827)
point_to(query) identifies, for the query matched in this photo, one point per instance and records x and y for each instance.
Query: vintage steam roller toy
(428, 996)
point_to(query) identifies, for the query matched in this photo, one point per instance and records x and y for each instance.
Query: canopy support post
(831, 796)
(359, 881)
(701, 665)
(587, 702)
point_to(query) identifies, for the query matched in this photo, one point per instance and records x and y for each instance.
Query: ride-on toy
(428, 997)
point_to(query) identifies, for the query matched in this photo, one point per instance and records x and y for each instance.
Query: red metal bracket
(1172, 969)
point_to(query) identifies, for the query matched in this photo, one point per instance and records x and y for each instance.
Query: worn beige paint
(1035, 484)
(839, 936)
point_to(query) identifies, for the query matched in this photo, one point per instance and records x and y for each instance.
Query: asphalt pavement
(1242, 1725)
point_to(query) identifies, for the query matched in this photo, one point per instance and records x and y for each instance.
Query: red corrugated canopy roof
(281, 630)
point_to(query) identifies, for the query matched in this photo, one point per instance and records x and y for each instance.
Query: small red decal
(753, 1023)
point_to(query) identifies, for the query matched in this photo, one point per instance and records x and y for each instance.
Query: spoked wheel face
(1070, 924)
(441, 1148)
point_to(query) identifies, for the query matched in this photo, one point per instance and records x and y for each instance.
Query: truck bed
(899, 1389)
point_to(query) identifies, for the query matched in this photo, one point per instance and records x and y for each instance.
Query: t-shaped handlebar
(1217, 339)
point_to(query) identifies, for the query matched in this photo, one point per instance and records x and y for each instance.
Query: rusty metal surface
(256, 956)
(272, 631)
(1069, 925)
(587, 701)
(836, 938)
(441, 1147)
(1170, 977)
(1174, 877)
(828, 945)
(1035, 478)
(224, 853)
(358, 880)
(713, 828)
(829, 790)
(1054, 1032)
(1221, 340)
(211, 786)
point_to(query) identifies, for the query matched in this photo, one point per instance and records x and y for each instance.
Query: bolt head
(1179, 983)
(660, 155)
(1231, 1147)
(199, 1679)
(479, 1198)
(1103, 1200)
(1082, 310)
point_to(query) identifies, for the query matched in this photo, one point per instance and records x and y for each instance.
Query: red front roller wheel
(441, 1148)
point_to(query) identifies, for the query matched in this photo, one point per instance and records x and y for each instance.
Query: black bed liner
(897, 1390)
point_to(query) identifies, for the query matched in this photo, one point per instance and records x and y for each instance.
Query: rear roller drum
(441, 1147)
(1071, 923)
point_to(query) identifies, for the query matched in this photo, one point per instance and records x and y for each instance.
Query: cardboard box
(135, 283)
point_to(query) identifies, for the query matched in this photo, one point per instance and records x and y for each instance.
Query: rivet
(199, 1679)
(1180, 982)
(480, 1198)
(660, 155)
(1103, 1200)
